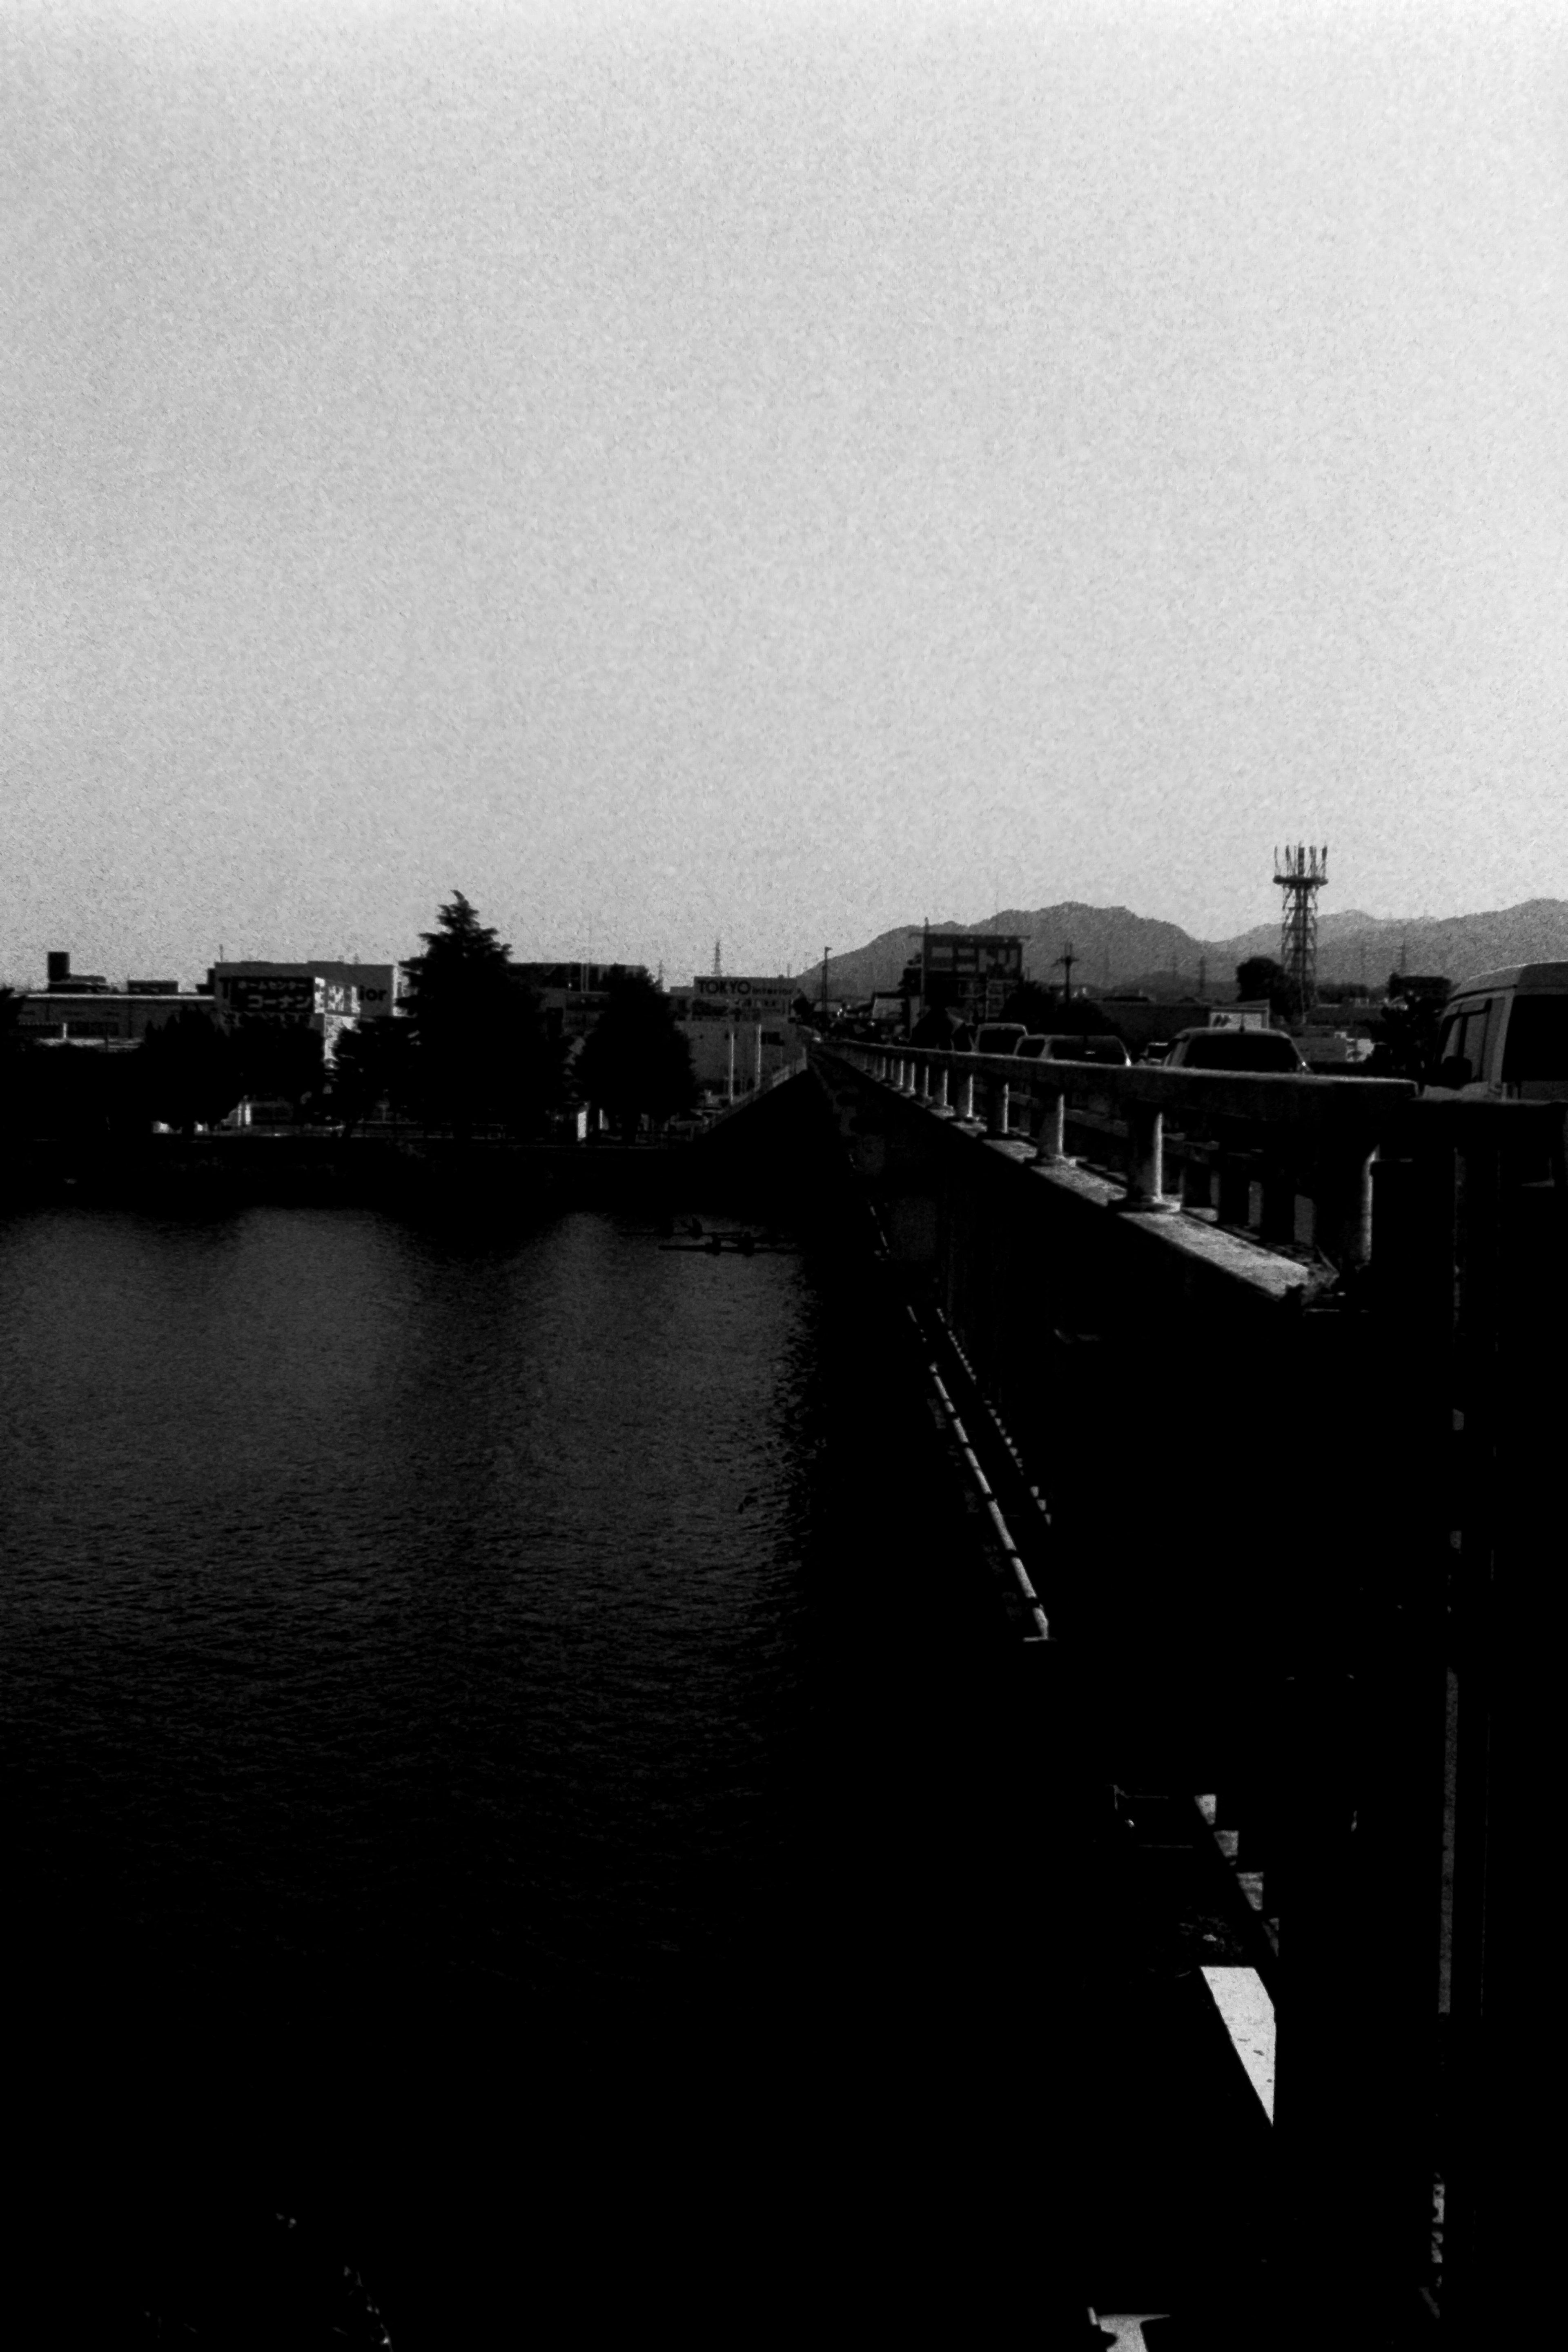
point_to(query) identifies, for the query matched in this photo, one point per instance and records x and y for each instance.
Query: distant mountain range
(1114, 947)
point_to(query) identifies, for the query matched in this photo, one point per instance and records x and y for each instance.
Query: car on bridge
(1234, 1049)
(1505, 1034)
(998, 1037)
(1102, 1049)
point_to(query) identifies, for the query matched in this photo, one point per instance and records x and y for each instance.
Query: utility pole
(1067, 960)
(825, 983)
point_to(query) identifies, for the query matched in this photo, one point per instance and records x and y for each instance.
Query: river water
(489, 1724)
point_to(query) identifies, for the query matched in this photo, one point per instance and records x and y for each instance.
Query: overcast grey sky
(774, 470)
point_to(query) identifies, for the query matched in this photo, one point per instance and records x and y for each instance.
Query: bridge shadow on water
(938, 2082)
(943, 2078)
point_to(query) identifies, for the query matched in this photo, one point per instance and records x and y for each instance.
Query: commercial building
(287, 990)
(82, 1009)
(740, 1030)
(573, 996)
(326, 996)
(969, 973)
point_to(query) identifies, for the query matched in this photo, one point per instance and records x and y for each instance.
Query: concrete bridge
(1246, 1374)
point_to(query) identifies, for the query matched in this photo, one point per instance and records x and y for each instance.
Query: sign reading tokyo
(740, 999)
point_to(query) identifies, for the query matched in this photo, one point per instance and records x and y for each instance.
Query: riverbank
(174, 1171)
(780, 1158)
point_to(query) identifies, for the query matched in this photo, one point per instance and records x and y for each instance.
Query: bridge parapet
(1290, 1553)
(1289, 1158)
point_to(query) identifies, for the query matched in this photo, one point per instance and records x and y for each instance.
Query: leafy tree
(1261, 976)
(372, 1067)
(481, 1052)
(938, 1024)
(280, 1060)
(188, 1071)
(1035, 1007)
(1409, 1028)
(637, 1060)
(14, 1066)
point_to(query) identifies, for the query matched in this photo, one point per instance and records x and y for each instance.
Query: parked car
(998, 1036)
(1506, 1035)
(1110, 1051)
(1234, 1049)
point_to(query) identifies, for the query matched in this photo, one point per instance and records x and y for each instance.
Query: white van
(1505, 1035)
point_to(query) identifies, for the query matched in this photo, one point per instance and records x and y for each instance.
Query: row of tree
(474, 1054)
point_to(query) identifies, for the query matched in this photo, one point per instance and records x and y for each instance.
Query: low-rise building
(574, 995)
(742, 1031)
(971, 973)
(320, 994)
(1141, 1020)
(254, 986)
(83, 1009)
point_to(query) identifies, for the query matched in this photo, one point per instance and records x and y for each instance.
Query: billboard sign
(279, 996)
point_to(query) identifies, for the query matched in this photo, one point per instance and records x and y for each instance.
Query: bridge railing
(1247, 1148)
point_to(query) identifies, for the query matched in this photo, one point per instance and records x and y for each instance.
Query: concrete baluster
(1197, 1178)
(995, 1105)
(1276, 1225)
(1146, 1160)
(1342, 1205)
(1050, 1133)
(966, 1095)
(1234, 1187)
(941, 1087)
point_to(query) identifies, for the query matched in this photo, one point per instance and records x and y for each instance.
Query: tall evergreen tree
(637, 1062)
(1261, 976)
(372, 1067)
(188, 1071)
(282, 1059)
(482, 1056)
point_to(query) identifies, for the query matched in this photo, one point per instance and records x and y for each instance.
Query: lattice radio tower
(1300, 873)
